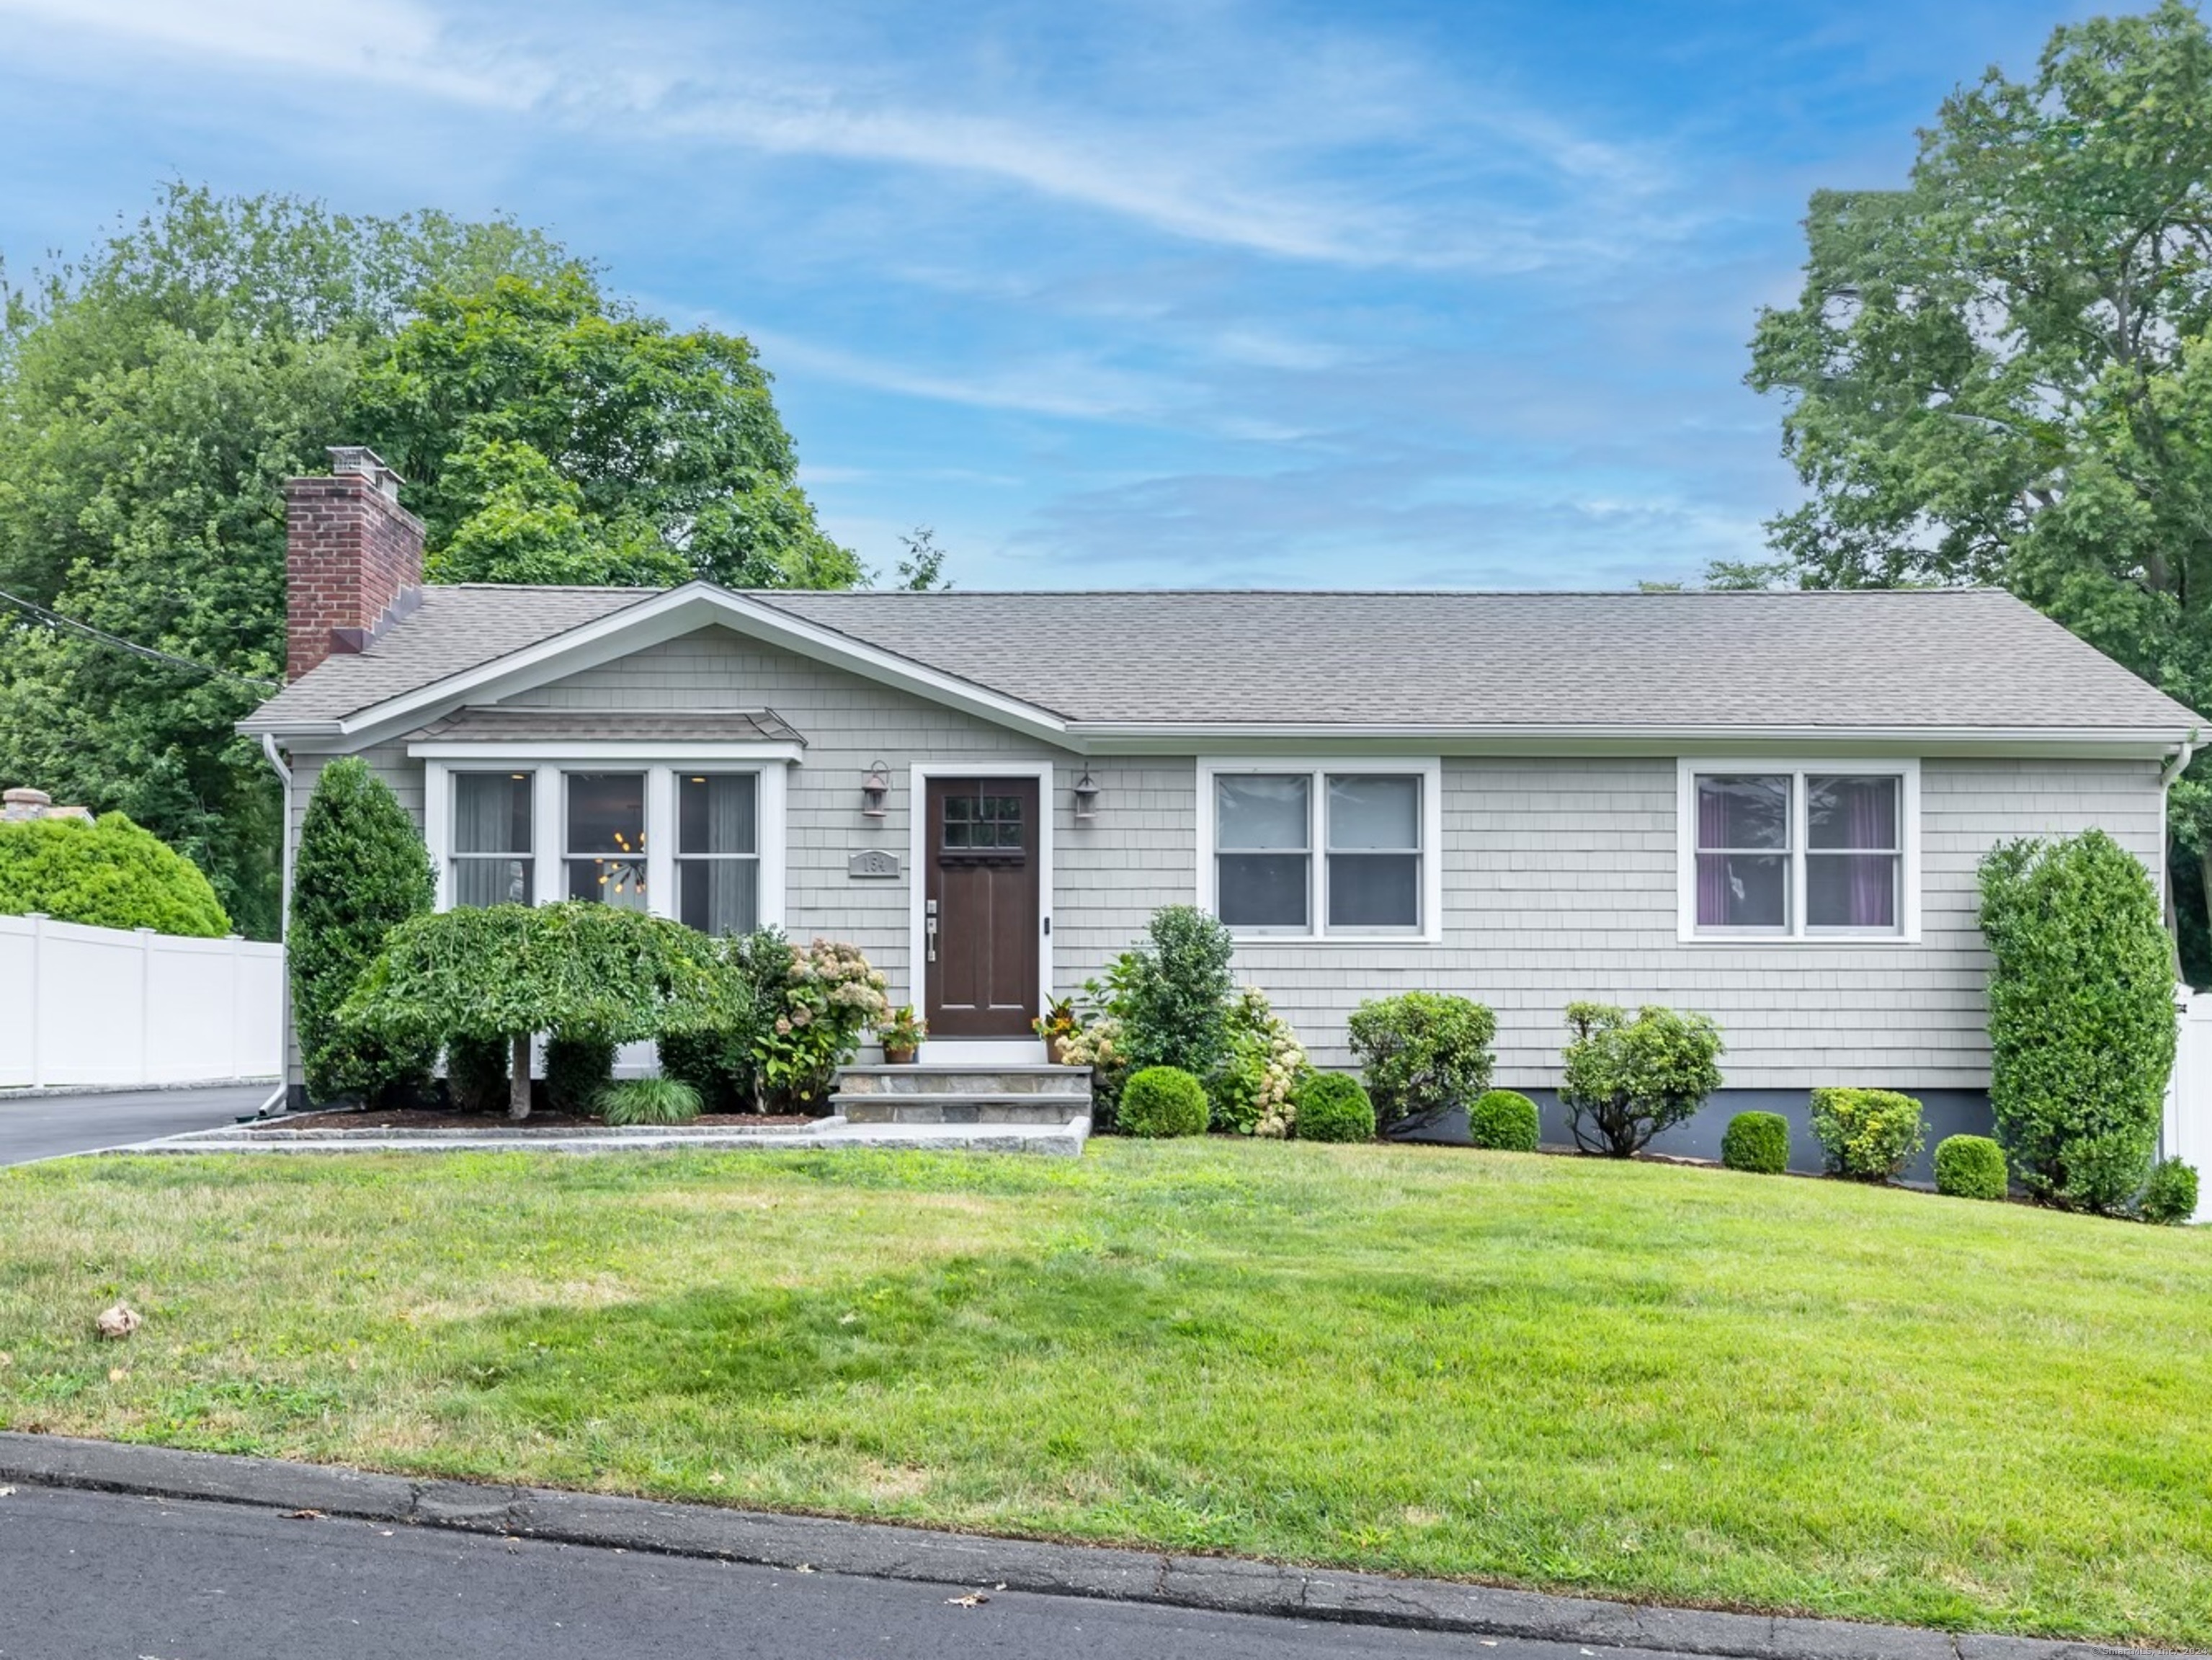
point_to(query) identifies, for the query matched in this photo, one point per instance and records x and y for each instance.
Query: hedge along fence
(2082, 1016)
(505, 973)
(111, 874)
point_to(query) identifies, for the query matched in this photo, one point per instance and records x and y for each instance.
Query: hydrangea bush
(829, 996)
(1252, 1092)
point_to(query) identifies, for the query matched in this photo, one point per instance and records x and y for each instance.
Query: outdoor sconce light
(875, 790)
(1086, 797)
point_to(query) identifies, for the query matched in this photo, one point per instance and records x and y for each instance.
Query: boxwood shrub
(1758, 1142)
(1163, 1101)
(111, 874)
(1333, 1107)
(2170, 1197)
(1503, 1121)
(1867, 1135)
(1969, 1167)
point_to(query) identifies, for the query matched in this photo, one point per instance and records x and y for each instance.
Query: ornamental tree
(505, 973)
(360, 872)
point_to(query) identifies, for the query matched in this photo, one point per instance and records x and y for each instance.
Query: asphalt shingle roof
(1974, 658)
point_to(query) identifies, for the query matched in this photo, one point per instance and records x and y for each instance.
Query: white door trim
(962, 1050)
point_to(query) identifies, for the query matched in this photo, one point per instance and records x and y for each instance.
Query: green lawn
(1628, 1379)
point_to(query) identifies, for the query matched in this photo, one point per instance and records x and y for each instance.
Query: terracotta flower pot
(897, 1057)
(1055, 1048)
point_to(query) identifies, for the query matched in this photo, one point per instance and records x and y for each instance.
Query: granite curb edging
(887, 1551)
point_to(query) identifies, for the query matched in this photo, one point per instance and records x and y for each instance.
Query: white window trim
(549, 765)
(1689, 768)
(1428, 769)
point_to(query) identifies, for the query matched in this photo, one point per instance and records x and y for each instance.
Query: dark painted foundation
(1949, 1112)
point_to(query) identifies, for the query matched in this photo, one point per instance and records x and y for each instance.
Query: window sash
(1817, 902)
(1321, 863)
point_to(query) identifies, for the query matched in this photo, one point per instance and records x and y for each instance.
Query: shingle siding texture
(1559, 881)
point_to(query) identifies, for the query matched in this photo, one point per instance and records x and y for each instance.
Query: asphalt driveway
(50, 1126)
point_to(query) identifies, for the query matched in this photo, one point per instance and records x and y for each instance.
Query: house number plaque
(873, 862)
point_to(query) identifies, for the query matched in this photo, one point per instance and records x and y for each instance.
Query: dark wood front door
(980, 916)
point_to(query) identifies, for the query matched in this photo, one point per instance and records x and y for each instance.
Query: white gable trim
(670, 615)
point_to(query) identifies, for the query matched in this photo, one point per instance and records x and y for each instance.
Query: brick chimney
(353, 558)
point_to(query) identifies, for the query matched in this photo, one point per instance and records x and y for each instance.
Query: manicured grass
(1624, 1379)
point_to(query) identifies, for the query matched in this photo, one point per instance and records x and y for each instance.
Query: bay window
(697, 838)
(1813, 850)
(1320, 851)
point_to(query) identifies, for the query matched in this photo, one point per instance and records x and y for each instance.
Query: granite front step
(1057, 1082)
(956, 1110)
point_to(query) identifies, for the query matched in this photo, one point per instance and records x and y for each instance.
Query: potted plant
(1056, 1025)
(902, 1034)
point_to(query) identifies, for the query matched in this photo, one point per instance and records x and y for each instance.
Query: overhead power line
(116, 641)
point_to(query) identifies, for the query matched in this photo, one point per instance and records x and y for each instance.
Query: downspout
(281, 1098)
(2173, 769)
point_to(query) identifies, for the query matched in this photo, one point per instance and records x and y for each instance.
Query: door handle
(929, 929)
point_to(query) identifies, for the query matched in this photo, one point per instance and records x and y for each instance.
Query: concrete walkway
(52, 1125)
(1074, 1574)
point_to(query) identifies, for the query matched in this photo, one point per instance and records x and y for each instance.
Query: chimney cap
(359, 457)
(22, 796)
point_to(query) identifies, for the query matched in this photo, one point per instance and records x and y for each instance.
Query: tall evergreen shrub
(2081, 1022)
(361, 871)
(1171, 992)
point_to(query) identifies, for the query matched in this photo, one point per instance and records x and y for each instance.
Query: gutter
(2182, 757)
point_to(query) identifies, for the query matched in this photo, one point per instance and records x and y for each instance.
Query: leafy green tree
(152, 398)
(674, 459)
(107, 875)
(362, 870)
(476, 975)
(2000, 373)
(154, 395)
(1626, 1080)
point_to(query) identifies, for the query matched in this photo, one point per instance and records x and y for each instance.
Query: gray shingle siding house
(1767, 807)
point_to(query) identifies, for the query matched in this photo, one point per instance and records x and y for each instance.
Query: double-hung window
(1321, 851)
(606, 845)
(718, 851)
(491, 838)
(1794, 852)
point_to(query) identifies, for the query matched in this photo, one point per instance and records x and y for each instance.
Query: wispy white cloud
(1246, 157)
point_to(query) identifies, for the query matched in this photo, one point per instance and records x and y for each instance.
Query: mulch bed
(409, 1119)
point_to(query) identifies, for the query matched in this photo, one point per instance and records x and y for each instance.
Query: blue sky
(1174, 293)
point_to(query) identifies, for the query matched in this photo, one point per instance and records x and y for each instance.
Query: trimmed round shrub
(1333, 1107)
(1163, 1101)
(1626, 1080)
(1758, 1142)
(111, 874)
(649, 1101)
(577, 1068)
(2171, 1198)
(1867, 1135)
(1503, 1121)
(1422, 1052)
(1969, 1167)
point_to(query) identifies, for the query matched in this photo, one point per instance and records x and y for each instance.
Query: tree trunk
(518, 1089)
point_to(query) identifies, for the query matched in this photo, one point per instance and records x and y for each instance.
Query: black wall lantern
(1086, 797)
(875, 790)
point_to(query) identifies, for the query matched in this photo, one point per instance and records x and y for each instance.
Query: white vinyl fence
(2188, 1128)
(82, 1006)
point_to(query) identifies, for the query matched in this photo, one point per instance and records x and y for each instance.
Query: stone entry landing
(963, 1092)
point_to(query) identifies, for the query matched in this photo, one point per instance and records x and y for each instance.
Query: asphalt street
(86, 1576)
(48, 1126)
